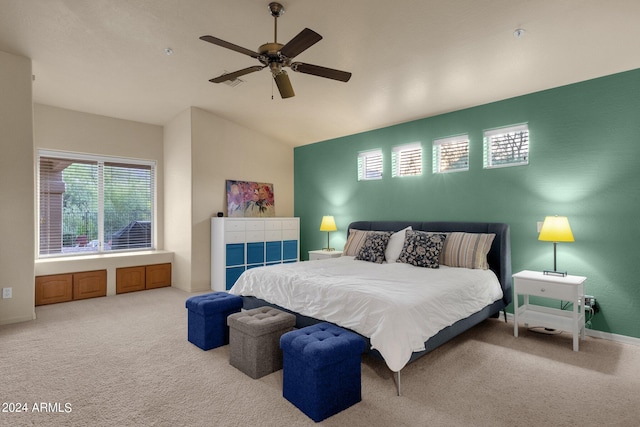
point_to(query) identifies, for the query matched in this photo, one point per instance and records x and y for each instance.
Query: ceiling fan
(276, 56)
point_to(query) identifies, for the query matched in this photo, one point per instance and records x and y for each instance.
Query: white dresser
(238, 244)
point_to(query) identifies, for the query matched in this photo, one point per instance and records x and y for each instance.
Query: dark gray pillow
(372, 249)
(422, 249)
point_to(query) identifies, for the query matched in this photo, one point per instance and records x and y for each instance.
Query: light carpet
(125, 361)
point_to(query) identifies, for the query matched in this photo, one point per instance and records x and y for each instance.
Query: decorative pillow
(395, 245)
(354, 242)
(422, 249)
(468, 250)
(372, 249)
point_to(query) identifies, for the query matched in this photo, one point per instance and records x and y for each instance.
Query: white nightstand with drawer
(563, 288)
(323, 254)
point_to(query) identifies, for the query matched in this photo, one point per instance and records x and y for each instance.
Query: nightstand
(322, 254)
(567, 288)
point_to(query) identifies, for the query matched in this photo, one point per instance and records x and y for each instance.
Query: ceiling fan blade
(236, 74)
(303, 41)
(231, 46)
(284, 85)
(319, 71)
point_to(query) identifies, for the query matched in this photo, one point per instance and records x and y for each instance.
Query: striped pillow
(354, 242)
(467, 250)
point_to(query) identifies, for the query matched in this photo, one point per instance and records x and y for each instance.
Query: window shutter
(369, 165)
(451, 154)
(508, 146)
(406, 160)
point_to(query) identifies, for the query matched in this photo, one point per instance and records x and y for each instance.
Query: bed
(402, 319)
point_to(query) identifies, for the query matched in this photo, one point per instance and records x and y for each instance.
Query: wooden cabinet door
(130, 279)
(89, 284)
(158, 276)
(54, 288)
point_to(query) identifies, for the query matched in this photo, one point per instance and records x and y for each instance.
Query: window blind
(370, 165)
(89, 204)
(451, 154)
(406, 160)
(508, 146)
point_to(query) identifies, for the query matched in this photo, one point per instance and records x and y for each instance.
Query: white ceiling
(409, 58)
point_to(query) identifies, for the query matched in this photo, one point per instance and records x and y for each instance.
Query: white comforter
(397, 306)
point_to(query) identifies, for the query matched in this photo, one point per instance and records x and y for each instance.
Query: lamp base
(328, 249)
(555, 273)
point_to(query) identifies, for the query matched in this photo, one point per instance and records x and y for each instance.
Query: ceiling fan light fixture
(276, 68)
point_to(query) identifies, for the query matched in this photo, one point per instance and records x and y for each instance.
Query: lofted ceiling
(409, 58)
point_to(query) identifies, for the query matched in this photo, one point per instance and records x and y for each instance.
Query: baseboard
(603, 335)
(20, 319)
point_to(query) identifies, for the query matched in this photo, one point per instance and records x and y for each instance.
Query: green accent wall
(584, 155)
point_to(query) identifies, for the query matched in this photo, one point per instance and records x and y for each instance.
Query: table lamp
(555, 229)
(328, 224)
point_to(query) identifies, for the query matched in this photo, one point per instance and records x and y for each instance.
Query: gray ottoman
(254, 339)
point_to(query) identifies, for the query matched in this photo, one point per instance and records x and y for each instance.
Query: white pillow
(395, 245)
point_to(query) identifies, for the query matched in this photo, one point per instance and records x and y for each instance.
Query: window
(90, 204)
(406, 160)
(369, 165)
(508, 146)
(451, 154)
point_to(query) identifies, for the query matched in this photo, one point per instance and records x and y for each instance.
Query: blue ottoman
(208, 318)
(321, 369)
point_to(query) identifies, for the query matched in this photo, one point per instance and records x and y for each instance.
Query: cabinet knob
(542, 289)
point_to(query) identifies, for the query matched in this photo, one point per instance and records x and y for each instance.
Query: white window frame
(440, 146)
(367, 161)
(399, 153)
(99, 159)
(490, 137)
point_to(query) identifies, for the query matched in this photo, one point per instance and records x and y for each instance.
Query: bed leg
(398, 384)
(504, 310)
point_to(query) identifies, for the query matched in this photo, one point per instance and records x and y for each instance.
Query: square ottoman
(322, 372)
(207, 322)
(254, 340)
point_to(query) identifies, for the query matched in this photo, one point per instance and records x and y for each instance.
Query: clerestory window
(406, 160)
(507, 146)
(451, 154)
(369, 165)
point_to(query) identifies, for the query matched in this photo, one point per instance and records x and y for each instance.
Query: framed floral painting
(250, 199)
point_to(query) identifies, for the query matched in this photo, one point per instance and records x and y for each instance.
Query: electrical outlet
(539, 226)
(591, 303)
(7, 292)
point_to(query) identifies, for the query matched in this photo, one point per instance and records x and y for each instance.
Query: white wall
(16, 189)
(177, 196)
(218, 150)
